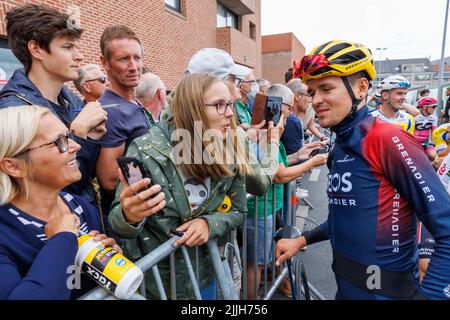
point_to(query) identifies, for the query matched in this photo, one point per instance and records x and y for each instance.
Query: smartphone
(133, 170)
(325, 149)
(266, 108)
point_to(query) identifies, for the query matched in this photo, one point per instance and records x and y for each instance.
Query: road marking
(314, 175)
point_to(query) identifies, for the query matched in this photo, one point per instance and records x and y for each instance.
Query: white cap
(216, 62)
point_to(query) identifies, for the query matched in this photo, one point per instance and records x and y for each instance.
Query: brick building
(170, 30)
(278, 54)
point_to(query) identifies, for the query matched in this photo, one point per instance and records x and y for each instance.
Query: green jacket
(154, 150)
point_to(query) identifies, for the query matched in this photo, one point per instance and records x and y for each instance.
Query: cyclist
(393, 93)
(378, 178)
(425, 124)
(441, 137)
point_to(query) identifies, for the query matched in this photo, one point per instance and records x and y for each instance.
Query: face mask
(251, 96)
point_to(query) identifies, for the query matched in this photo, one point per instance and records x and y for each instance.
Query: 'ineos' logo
(337, 182)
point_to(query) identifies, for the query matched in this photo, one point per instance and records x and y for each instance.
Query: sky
(406, 28)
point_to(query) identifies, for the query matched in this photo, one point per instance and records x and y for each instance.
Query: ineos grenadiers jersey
(424, 127)
(379, 181)
(403, 119)
(441, 137)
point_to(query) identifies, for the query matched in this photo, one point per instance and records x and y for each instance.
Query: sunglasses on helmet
(309, 64)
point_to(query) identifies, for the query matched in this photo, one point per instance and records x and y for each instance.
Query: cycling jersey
(424, 126)
(441, 136)
(425, 242)
(403, 119)
(378, 178)
(444, 173)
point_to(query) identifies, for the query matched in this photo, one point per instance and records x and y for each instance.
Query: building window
(252, 28)
(423, 77)
(8, 63)
(412, 68)
(174, 5)
(225, 17)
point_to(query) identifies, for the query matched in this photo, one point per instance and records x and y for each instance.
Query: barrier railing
(151, 260)
(230, 267)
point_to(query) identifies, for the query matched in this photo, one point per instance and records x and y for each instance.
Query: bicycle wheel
(306, 224)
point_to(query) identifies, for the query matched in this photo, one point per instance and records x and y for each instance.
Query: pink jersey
(424, 126)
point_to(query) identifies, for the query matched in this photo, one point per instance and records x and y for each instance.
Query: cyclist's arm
(400, 159)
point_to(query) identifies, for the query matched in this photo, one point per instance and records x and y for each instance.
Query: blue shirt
(380, 180)
(292, 137)
(34, 267)
(125, 123)
(20, 91)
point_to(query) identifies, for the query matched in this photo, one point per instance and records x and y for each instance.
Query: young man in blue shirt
(47, 45)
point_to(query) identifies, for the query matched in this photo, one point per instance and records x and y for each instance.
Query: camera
(266, 108)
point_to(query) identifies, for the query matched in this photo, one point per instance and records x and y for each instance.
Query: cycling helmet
(377, 94)
(335, 58)
(427, 101)
(394, 82)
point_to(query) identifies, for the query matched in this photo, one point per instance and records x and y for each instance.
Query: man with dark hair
(424, 93)
(288, 75)
(379, 182)
(122, 59)
(445, 114)
(47, 45)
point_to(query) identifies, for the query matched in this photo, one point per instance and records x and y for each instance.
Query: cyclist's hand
(287, 248)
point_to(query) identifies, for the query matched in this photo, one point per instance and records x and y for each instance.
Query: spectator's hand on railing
(136, 205)
(196, 233)
(287, 248)
(105, 240)
(89, 121)
(65, 222)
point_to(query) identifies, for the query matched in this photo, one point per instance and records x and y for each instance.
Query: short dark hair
(288, 75)
(353, 78)
(115, 32)
(424, 92)
(39, 23)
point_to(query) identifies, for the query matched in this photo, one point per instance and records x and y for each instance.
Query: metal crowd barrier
(151, 260)
(230, 266)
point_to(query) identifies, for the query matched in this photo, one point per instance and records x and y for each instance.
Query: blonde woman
(38, 222)
(192, 181)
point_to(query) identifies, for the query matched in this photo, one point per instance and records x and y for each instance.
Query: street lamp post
(379, 62)
(441, 69)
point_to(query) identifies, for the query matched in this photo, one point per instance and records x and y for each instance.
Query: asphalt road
(318, 257)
